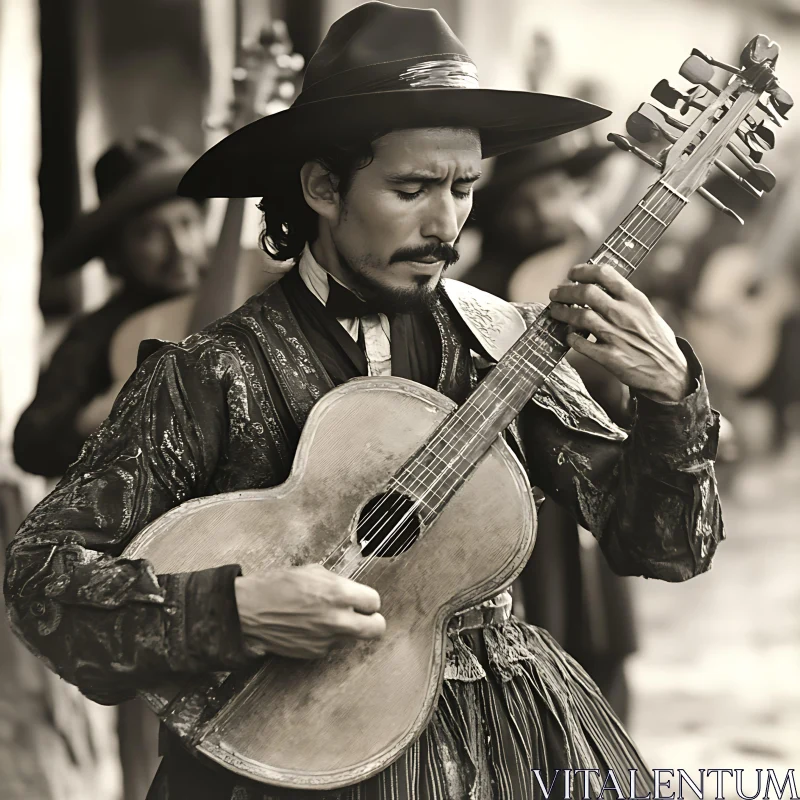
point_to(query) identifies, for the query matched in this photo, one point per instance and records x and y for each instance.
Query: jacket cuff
(681, 433)
(212, 631)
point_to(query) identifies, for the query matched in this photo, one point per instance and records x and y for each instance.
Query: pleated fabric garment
(513, 705)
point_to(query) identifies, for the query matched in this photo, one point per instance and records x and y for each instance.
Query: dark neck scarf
(416, 342)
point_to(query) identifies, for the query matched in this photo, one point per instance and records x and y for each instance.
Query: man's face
(397, 224)
(162, 250)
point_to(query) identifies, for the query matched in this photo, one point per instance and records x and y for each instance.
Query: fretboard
(434, 473)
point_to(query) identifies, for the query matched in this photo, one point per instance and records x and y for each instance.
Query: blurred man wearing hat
(367, 184)
(154, 242)
(530, 204)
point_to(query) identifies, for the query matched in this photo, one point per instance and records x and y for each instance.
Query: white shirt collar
(315, 276)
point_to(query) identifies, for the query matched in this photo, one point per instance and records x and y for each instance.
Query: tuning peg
(760, 176)
(758, 50)
(713, 89)
(669, 97)
(781, 100)
(713, 62)
(763, 135)
(696, 70)
(752, 149)
(629, 147)
(729, 212)
(643, 129)
(649, 115)
(763, 177)
(666, 95)
(658, 117)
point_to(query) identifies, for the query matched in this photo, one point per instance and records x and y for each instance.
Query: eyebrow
(425, 178)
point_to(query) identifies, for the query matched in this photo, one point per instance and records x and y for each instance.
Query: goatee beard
(389, 300)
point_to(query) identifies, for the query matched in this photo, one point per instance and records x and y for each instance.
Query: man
(154, 242)
(367, 184)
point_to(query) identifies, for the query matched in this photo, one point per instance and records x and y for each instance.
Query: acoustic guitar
(429, 507)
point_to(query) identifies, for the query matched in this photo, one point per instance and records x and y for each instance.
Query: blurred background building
(710, 670)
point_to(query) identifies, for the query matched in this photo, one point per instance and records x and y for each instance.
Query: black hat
(386, 68)
(130, 177)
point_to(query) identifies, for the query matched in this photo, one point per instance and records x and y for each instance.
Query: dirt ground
(715, 683)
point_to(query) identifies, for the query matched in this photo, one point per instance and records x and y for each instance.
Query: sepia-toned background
(713, 665)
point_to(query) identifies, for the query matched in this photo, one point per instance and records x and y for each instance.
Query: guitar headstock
(707, 120)
(266, 78)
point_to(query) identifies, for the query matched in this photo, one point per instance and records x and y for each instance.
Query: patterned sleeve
(107, 624)
(649, 495)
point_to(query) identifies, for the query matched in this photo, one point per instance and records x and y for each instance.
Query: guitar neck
(458, 444)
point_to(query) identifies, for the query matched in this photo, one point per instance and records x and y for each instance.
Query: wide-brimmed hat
(381, 68)
(573, 154)
(130, 177)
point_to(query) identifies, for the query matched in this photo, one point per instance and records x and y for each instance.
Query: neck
(324, 251)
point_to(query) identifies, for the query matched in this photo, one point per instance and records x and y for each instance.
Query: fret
(549, 359)
(622, 258)
(496, 396)
(453, 450)
(650, 213)
(464, 422)
(675, 192)
(635, 239)
(518, 360)
(550, 337)
(417, 494)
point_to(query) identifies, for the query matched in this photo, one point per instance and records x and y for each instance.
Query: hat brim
(89, 233)
(575, 165)
(242, 164)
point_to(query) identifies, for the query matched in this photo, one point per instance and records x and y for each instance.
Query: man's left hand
(633, 341)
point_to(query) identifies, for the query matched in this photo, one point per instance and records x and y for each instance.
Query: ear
(319, 190)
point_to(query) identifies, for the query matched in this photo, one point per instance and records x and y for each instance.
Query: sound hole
(388, 525)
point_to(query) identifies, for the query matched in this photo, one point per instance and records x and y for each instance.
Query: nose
(443, 219)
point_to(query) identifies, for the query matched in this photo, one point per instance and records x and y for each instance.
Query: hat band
(453, 72)
(441, 74)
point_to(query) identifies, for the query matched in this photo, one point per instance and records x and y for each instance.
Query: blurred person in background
(151, 240)
(154, 242)
(534, 227)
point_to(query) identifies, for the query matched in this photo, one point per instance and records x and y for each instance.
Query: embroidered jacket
(215, 414)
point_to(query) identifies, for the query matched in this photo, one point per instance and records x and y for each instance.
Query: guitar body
(335, 721)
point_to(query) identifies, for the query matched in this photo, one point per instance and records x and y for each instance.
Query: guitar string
(534, 347)
(471, 440)
(520, 356)
(535, 350)
(429, 496)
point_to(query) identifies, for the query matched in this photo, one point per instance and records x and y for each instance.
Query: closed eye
(408, 196)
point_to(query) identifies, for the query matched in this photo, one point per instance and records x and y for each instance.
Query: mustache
(441, 252)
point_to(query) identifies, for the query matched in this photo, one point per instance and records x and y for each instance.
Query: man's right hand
(302, 612)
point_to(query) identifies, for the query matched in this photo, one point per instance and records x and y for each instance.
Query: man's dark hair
(289, 222)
